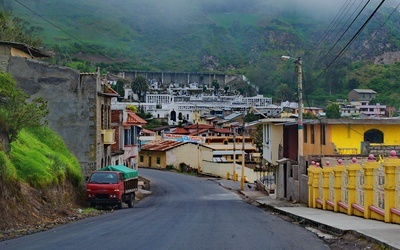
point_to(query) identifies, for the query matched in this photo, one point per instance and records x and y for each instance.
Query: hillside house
(361, 95)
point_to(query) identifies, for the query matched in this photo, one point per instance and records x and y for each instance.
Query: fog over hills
(229, 36)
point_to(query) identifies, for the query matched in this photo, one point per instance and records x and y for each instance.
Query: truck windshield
(104, 178)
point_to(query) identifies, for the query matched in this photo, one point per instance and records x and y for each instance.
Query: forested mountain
(342, 45)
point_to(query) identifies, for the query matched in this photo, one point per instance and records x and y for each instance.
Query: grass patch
(7, 169)
(41, 158)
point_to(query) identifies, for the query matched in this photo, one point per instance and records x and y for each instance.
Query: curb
(323, 227)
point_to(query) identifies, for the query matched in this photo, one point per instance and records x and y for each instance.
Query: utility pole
(234, 155)
(243, 155)
(299, 72)
(300, 140)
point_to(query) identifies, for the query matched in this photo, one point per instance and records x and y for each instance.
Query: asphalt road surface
(183, 212)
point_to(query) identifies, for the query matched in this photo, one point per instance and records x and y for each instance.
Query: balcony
(108, 136)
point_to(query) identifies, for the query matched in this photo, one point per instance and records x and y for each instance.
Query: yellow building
(349, 136)
(163, 153)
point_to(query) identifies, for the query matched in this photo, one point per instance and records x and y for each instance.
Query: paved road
(183, 212)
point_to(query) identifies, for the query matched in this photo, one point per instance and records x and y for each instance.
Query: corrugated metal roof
(26, 48)
(227, 152)
(161, 145)
(232, 116)
(366, 91)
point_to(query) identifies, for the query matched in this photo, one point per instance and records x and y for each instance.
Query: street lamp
(299, 71)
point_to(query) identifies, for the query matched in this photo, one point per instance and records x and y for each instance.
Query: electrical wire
(380, 27)
(333, 22)
(352, 39)
(337, 41)
(67, 33)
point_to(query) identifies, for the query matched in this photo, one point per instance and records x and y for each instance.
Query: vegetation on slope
(39, 177)
(239, 37)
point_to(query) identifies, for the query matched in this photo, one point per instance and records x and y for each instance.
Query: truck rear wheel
(131, 199)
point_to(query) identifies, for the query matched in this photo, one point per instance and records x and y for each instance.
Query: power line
(337, 41)
(352, 39)
(67, 33)
(335, 19)
(380, 27)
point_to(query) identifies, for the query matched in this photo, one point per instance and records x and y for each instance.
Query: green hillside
(40, 158)
(240, 37)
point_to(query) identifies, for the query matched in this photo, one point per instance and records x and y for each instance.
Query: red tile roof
(200, 126)
(161, 145)
(195, 132)
(222, 130)
(109, 91)
(133, 119)
(181, 131)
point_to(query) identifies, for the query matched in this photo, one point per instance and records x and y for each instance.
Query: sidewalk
(386, 234)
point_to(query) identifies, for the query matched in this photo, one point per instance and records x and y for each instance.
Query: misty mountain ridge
(235, 36)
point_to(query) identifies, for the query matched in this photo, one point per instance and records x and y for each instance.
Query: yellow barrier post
(369, 167)
(315, 184)
(351, 187)
(389, 166)
(338, 183)
(310, 171)
(325, 184)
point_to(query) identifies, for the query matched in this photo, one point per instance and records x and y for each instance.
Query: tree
(139, 86)
(333, 111)
(16, 30)
(309, 115)
(119, 87)
(283, 92)
(215, 84)
(226, 88)
(15, 112)
(250, 117)
(257, 137)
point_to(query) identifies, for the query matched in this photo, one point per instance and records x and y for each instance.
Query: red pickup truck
(112, 185)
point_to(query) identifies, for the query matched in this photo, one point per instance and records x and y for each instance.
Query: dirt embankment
(24, 210)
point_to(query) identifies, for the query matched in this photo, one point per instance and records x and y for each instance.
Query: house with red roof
(127, 126)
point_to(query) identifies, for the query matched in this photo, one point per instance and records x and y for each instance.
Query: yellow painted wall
(150, 159)
(351, 135)
(19, 53)
(317, 148)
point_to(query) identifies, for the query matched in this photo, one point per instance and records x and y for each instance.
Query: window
(268, 135)
(141, 158)
(312, 134)
(130, 136)
(305, 133)
(323, 134)
(158, 160)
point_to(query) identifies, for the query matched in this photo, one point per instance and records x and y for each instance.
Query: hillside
(40, 182)
(241, 37)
